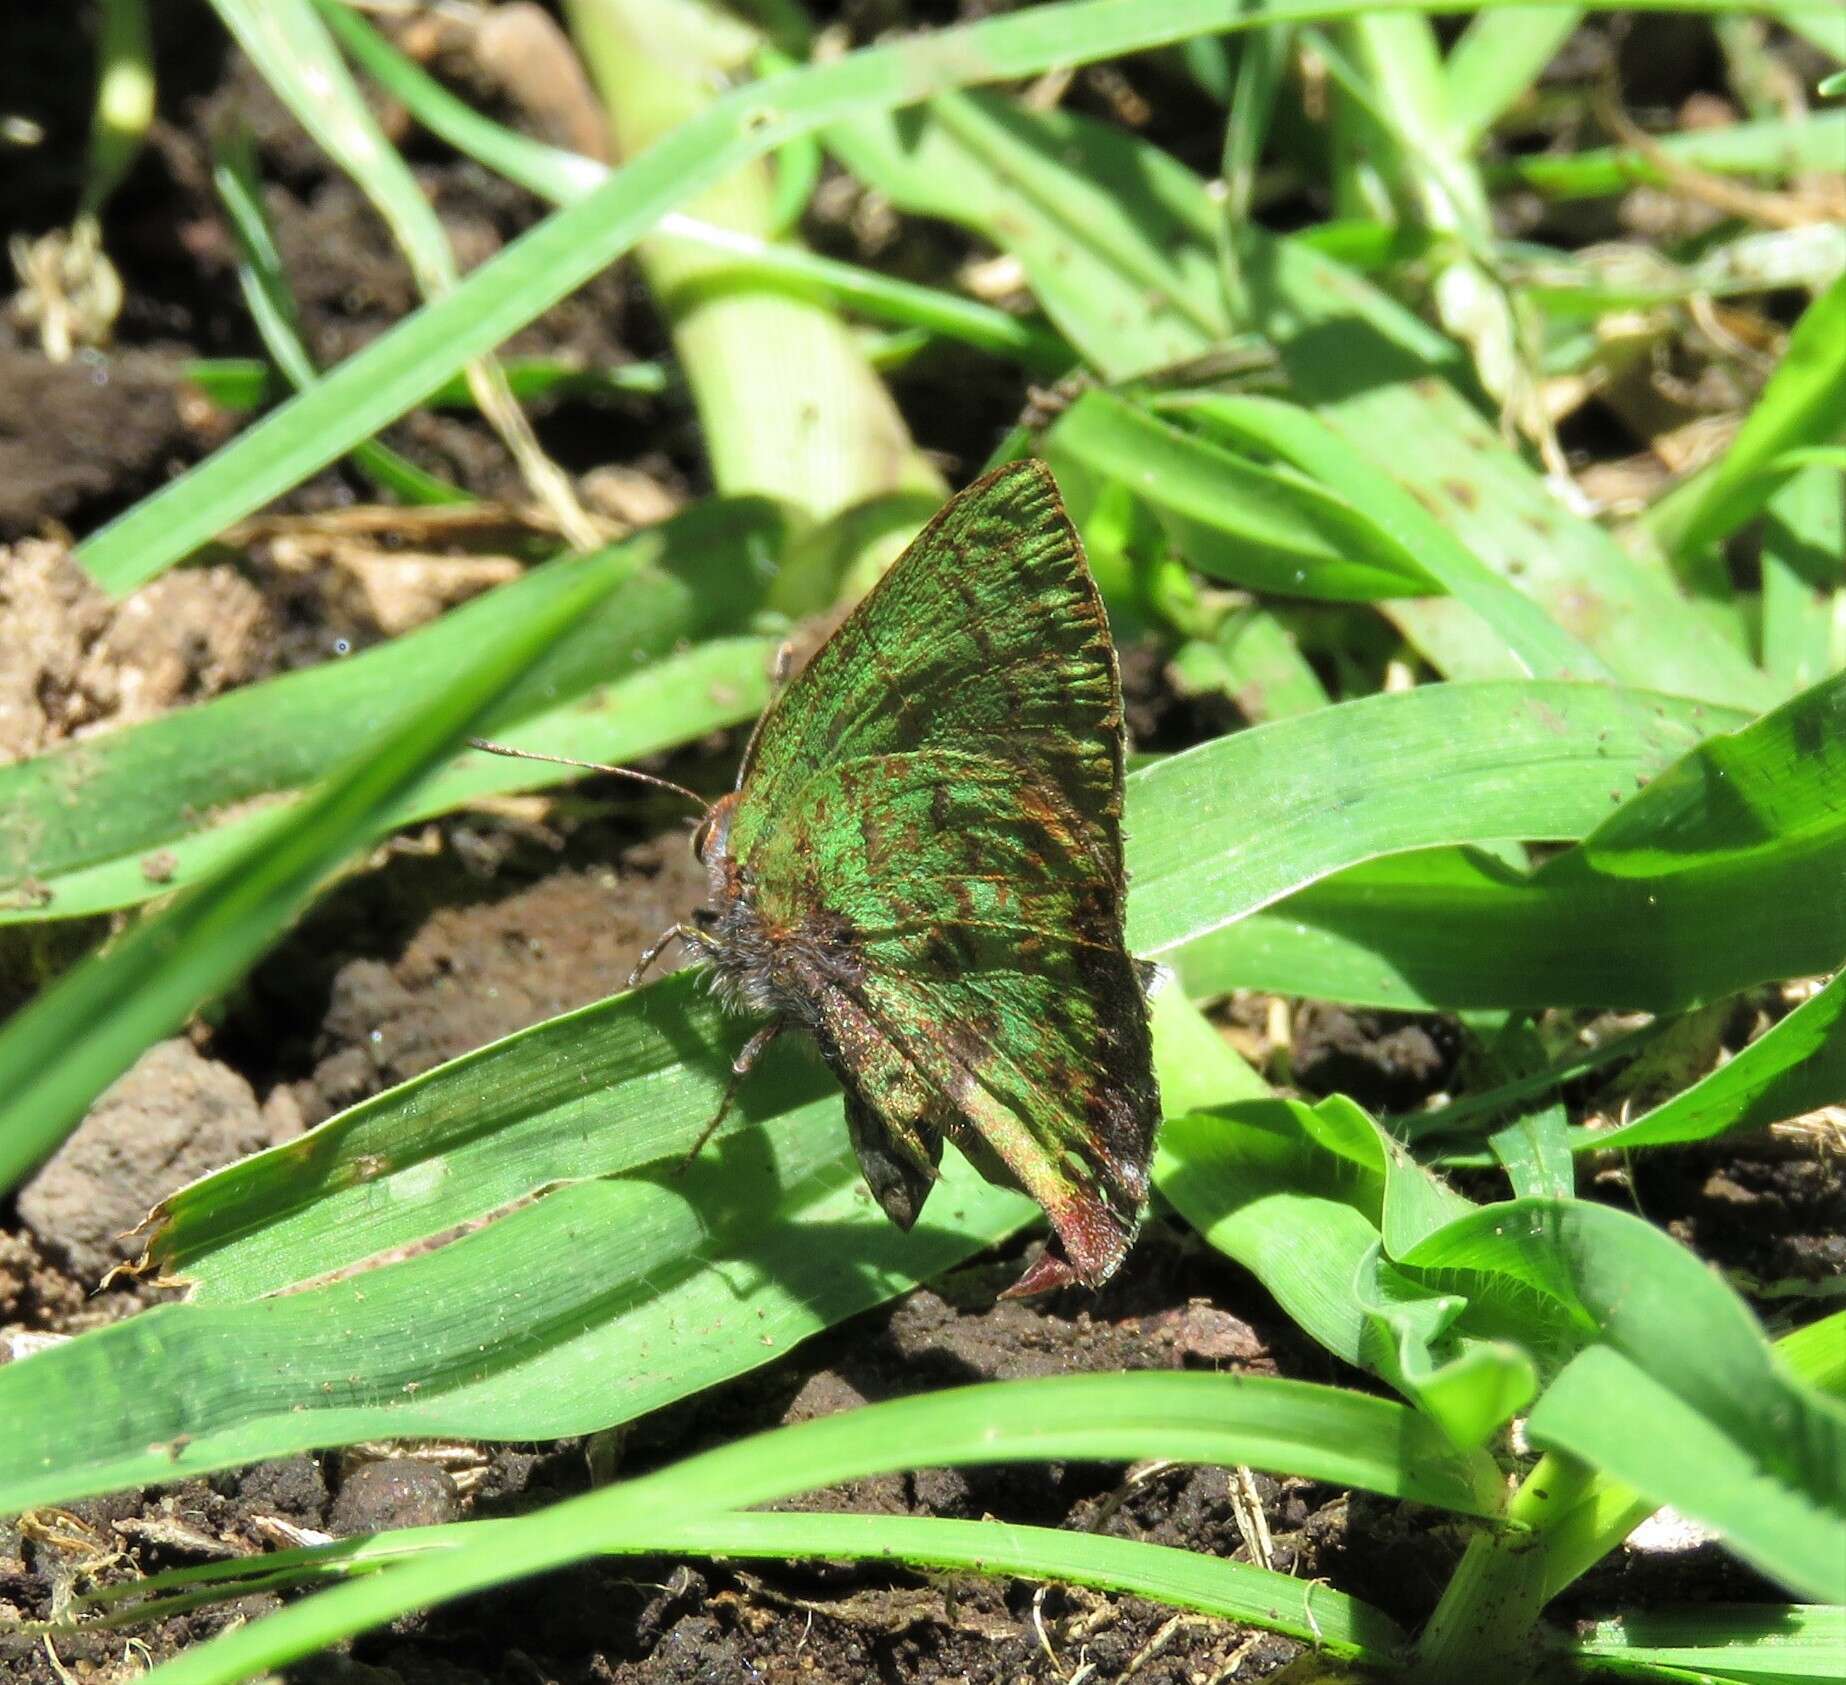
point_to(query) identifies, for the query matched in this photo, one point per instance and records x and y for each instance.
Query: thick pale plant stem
(789, 406)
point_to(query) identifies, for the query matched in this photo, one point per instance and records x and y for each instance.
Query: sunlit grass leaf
(767, 1238)
(1340, 1624)
(1513, 1099)
(1253, 658)
(1257, 1185)
(1817, 1353)
(1388, 384)
(1252, 524)
(1682, 1401)
(1773, 148)
(1802, 404)
(1703, 1418)
(788, 402)
(1299, 799)
(1473, 1313)
(289, 43)
(80, 1034)
(1721, 874)
(79, 824)
(272, 308)
(561, 1317)
(1795, 1066)
(1498, 56)
(248, 383)
(1230, 1419)
(1371, 370)
(1804, 576)
(403, 366)
(1753, 1643)
(1398, 525)
(1115, 236)
(563, 177)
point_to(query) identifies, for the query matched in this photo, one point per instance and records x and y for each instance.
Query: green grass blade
(1304, 1198)
(1258, 1187)
(291, 48)
(272, 308)
(72, 1041)
(1796, 1066)
(1754, 1643)
(1569, 286)
(1244, 522)
(289, 45)
(1295, 800)
(1804, 577)
(404, 366)
(788, 404)
(1051, 189)
(563, 177)
(1369, 371)
(1771, 149)
(1803, 404)
(1263, 63)
(248, 383)
(1227, 1419)
(1115, 236)
(1311, 1610)
(1399, 114)
(77, 823)
(1256, 661)
(1402, 525)
(1453, 930)
(1533, 1145)
(672, 702)
(1497, 57)
(1677, 1393)
(1576, 1517)
(1608, 1412)
(489, 1337)
(1721, 874)
(1817, 1353)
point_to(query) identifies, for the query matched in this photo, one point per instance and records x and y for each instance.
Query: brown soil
(475, 927)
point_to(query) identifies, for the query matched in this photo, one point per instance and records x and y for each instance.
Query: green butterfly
(921, 866)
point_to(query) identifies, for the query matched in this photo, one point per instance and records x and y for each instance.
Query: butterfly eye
(701, 837)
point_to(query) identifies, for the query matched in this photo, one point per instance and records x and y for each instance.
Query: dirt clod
(84, 437)
(75, 661)
(173, 1117)
(395, 1492)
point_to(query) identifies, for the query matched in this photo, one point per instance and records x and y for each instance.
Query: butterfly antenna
(590, 766)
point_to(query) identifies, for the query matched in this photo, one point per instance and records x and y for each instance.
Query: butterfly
(920, 867)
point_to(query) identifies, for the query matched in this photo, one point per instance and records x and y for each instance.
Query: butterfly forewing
(987, 635)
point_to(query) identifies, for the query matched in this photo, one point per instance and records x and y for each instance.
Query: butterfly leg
(654, 950)
(748, 1055)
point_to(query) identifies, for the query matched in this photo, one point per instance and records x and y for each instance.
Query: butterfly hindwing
(968, 935)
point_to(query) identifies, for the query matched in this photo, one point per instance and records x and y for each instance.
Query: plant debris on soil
(483, 923)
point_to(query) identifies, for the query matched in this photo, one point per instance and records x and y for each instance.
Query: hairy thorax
(758, 967)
